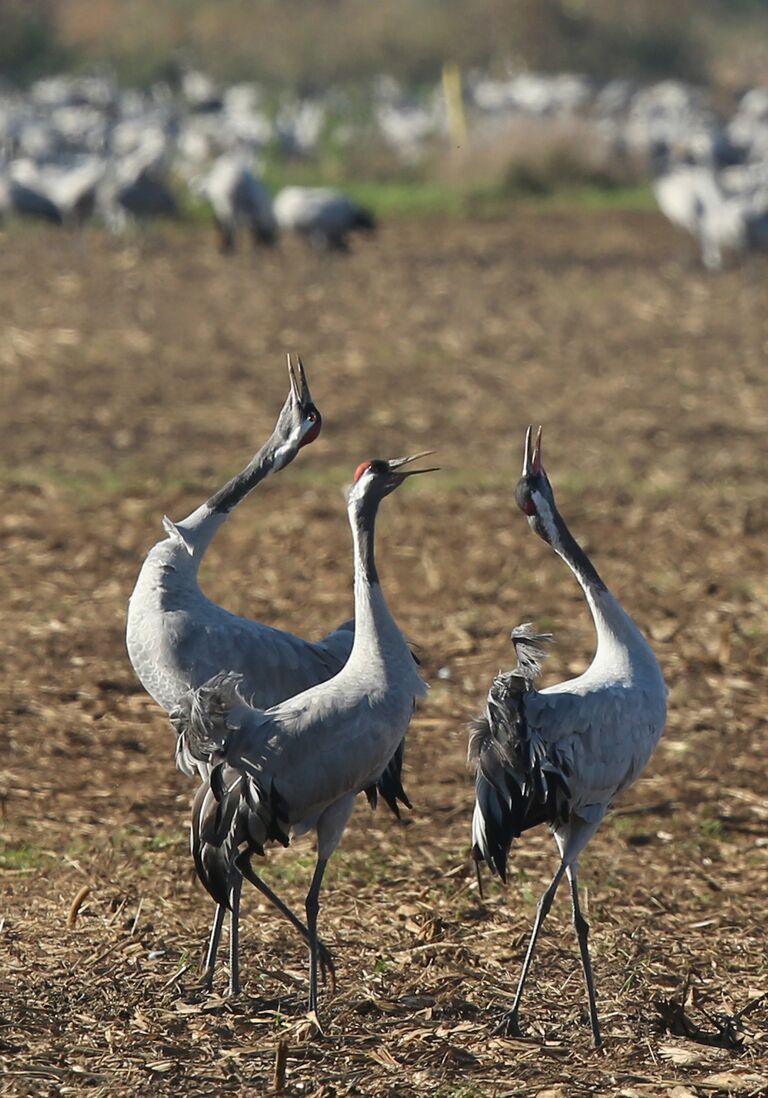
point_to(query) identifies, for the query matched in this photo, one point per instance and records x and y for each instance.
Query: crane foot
(508, 1026)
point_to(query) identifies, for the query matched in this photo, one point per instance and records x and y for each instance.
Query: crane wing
(601, 738)
(518, 784)
(275, 665)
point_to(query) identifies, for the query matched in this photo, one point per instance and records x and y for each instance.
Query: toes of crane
(508, 1026)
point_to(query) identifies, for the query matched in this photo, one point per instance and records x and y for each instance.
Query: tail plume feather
(517, 783)
(236, 806)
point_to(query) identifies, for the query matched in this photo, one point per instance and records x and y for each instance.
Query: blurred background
(414, 104)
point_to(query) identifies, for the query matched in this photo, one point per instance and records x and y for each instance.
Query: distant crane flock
(283, 733)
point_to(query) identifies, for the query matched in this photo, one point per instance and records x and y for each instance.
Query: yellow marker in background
(454, 103)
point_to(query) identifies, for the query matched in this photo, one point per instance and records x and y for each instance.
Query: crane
(238, 198)
(324, 216)
(178, 639)
(561, 755)
(298, 766)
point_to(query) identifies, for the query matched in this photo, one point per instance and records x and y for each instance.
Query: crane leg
(234, 934)
(213, 947)
(509, 1024)
(313, 906)
(226, 237)
(327, 966)
(582, 932)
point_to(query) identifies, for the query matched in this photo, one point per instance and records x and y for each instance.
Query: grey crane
(177, 638)
(561, 755)
(298, 766)
(238, 199)
(323, 216)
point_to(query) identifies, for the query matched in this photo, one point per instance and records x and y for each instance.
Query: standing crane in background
(298, 766)
(238, 200)
(177, 638)
(561, 755)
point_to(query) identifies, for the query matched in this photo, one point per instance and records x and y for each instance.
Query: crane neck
(198, 529)
(362, 519)
(619, 641)
(375, 629)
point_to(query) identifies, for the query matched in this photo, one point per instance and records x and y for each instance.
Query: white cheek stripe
(544, 511)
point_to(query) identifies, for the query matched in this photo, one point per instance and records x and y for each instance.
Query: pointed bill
(396, 463)
(536, 460)
(295, 392)
(527, 453)
(306, 396)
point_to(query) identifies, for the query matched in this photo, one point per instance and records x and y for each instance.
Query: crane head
(299, 421)
(533, 492)
(376, 479)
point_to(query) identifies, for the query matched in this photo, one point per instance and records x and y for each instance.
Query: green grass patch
(410, 197)
(19, 856)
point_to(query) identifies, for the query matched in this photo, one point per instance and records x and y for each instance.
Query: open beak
(532, 457)
(306, 396)
(298, 379)
(396, 463)
(293, 379)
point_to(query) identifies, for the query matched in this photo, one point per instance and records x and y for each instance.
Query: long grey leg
(510, 1024)
(234, 934)
(324, 955)
(582, 932)
(313, 906)
(213, 946)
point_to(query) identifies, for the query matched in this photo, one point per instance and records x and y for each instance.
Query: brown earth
(136, 376)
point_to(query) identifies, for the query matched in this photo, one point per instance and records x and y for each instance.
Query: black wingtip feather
(517, 785)
(390, 784)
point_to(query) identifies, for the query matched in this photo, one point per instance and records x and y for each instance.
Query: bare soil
(137, 376)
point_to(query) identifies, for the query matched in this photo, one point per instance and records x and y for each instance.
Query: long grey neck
(362, 518)
(197, 530)
(618, 638)
(375, 629)
(236, 489)
(566, 546)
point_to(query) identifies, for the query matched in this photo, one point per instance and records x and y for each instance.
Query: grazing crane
(298, 766)
(561, 755)
(321, 215)
(177, 638)
(238, 199)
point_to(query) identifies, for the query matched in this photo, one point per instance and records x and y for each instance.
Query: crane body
(561, 755)
(297, 767)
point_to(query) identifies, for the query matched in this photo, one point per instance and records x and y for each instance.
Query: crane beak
(527, 453)
(536, 461)
(396, 463)
(532, 457)
(293, 379)
(306, 396)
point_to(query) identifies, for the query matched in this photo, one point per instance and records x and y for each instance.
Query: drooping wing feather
(390, 784)
(518, 784)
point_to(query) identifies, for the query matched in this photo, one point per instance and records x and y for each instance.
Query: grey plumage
(324, 217)
(517, 783)
(178, 639)
(298, 766)
(561, 755)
